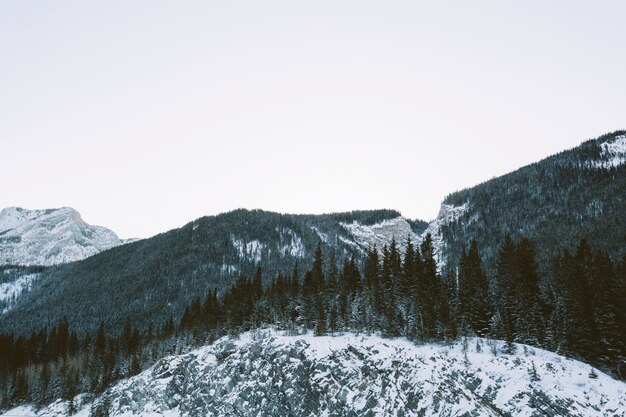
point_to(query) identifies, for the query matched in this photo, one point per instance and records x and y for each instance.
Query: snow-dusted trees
(576, 308)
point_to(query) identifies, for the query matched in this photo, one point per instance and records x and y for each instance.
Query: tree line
(578, 309)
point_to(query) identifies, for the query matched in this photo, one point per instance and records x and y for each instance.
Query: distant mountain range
(155, 278)
(100, 326)
(578, 193)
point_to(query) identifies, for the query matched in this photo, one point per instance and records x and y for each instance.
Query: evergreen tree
(506, 282)
(428, 289)
(529, 320)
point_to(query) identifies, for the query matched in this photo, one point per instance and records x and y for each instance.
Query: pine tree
(528, 320)
(506, 280)
(428, 289)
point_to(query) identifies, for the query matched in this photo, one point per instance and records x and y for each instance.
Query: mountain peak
(50, 236)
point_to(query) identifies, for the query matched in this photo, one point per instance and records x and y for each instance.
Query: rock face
(447, 214)
(48, 237)
(380, 234)
(265, 373)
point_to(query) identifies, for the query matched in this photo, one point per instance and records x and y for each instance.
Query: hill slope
(266, 373)
(578, 193)
(154, 278)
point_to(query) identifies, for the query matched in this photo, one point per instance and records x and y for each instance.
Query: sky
(145, 115)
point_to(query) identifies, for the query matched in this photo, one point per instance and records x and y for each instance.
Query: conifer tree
(475, 308)
(428, 289)
(506, 290)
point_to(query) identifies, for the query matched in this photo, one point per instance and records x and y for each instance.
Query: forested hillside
(153, 279)
(578, 193)
(577, 310)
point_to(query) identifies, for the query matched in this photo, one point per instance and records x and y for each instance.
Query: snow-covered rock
(290, 243)
(265, 373)
(48, 237)
(380, 234)
(251, 251)
(447, 214)
(612, 154)
(9, 291)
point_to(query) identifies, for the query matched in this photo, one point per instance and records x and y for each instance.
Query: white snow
(290, 243)
(322, 236)
(48, 237)
(229, 269)
(474, 377)
(380, 234)
(56, 409)
(251, 251)
(613, 153)
(9, 291)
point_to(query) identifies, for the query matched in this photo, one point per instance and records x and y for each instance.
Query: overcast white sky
(144, 115)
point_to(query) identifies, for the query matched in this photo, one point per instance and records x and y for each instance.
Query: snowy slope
(270, 374)
(380, 234)
(48, 237)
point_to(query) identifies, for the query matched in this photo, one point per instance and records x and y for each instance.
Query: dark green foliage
(554, 202)
(578, 309)
(475, 308)
(153, 279)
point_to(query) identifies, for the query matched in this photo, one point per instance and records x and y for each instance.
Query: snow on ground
(267, 372)
(56, 409)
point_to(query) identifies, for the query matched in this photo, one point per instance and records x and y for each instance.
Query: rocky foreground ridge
(266, 373)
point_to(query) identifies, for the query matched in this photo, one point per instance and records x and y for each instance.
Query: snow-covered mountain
(49, 237)
(265, 373)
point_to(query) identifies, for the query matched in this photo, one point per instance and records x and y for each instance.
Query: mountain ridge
(574, 194)
(156, 277)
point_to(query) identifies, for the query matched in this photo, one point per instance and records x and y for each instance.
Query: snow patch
(290, 243)
(227, 269)
(250, 251)
(613, 154)
(10, 291)
(322, 236)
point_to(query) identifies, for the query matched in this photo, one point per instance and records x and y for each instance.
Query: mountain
(576, 194)
(155, 278)
(267, 373)
(94, 325)
(50, 237)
